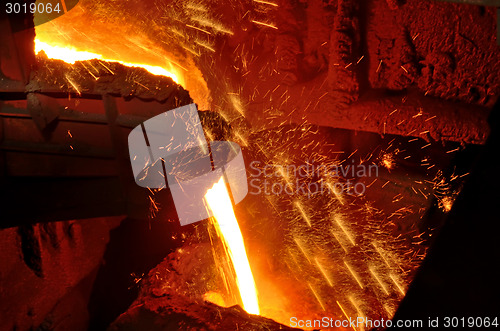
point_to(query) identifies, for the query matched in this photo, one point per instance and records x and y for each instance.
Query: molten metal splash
(70, 54)
(228, 230)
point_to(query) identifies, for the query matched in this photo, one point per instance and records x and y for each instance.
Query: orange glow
(447, 203)
(229, 231)
(388, 161)
(215, 297)
(70, 54)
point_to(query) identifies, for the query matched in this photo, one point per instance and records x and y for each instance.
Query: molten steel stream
(228, 230)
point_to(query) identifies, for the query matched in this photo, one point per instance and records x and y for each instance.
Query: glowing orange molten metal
(228, 230)
(70, 54)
